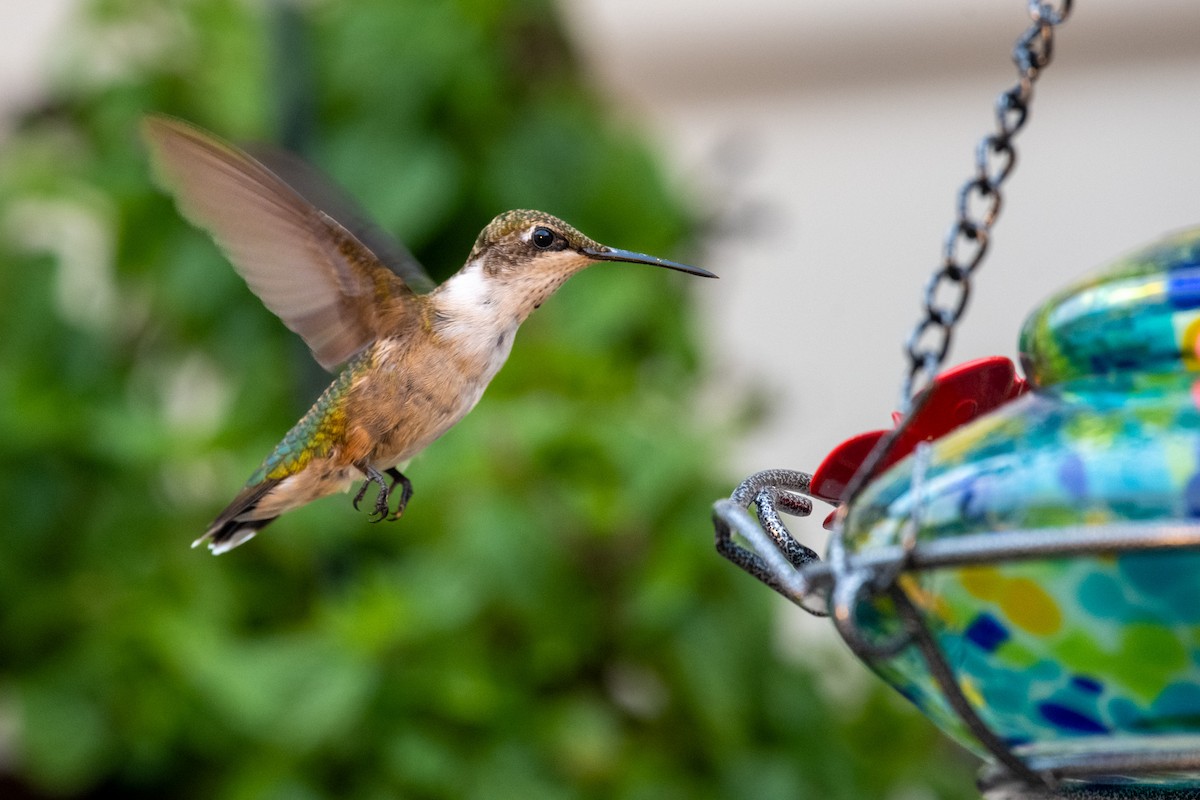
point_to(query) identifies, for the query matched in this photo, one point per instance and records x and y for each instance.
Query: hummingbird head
(523, 256)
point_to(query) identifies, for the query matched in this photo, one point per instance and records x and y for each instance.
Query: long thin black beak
(603, 253)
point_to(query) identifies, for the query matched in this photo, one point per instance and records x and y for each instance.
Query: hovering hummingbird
(417, 358)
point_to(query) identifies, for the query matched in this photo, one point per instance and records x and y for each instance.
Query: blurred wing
(305, 266)
(315, 187)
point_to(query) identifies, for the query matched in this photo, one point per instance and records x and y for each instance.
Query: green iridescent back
(316, 432)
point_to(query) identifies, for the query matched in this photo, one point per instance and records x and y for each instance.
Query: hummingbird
(415, 358)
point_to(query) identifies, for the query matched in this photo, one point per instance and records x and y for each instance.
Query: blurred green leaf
(66, 744)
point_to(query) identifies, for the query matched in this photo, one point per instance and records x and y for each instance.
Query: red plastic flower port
(955, 397)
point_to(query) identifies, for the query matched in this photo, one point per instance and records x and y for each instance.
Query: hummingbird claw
(382, 510)
(406, 492)
(381, 504)
(361, 492)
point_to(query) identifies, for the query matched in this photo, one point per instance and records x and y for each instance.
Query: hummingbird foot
(382, 510)
(406, 491)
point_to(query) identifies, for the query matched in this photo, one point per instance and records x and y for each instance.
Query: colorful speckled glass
(1093, 652)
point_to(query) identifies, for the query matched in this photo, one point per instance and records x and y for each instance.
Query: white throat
(479, 319)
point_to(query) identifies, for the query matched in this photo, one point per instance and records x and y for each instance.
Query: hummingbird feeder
(1019, 556)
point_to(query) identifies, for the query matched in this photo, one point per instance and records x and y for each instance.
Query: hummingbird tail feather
(231, 534)
(237, 523)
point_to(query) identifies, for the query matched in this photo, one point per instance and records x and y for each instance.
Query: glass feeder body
(1060, 655)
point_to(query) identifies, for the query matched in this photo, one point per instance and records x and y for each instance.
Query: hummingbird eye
(542, 238)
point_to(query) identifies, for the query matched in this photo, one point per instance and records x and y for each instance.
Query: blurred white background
(835, 135)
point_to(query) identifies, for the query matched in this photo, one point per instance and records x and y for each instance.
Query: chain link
(979, 201)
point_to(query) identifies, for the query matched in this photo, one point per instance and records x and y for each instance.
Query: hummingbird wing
(308, 268)
(318, 189)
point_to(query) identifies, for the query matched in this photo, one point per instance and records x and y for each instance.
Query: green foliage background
(548, 620)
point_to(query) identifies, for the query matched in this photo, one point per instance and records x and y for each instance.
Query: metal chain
(979, 201)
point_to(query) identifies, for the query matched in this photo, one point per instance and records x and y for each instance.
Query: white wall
(835, 136)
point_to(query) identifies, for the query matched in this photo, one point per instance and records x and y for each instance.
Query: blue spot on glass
(986, 632)
(1102, 596)
(1088, 685)
(1073, 476)
(1183, 285)
(1047, 669)
(1191, 496)
(1006, 692)
(972, 505)
(1178, 700)
(1125, 714)
(1168, 580)
(1069, 719)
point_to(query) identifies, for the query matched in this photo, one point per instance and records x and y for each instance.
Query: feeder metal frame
(847, 579)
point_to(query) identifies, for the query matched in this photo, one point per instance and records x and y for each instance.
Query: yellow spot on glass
(1029, 607)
